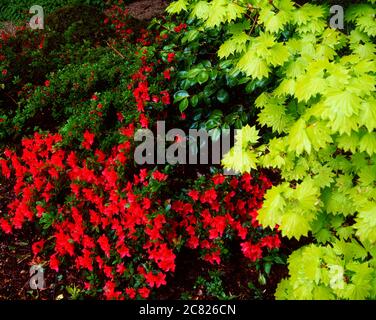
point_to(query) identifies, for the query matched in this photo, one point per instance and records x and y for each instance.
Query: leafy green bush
(319, 115)
(15, 10)
(75, 24)
(73, 34)
(67, 101)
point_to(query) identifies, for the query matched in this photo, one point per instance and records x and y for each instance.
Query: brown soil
(147, 9)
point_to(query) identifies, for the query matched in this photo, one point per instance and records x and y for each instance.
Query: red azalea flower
(109, 291)
(159, 176)
(167, 74)
(4, 72)
(170, 57)
(180, 27)
(155, 280)
(104, 244)
(128, 131)
(165, 97)
(37, 246)
(219, 179)
(213, 257)
(131, 292)
(194, 194)
(47, 83)
(4, 168)
(54, 263)
(271, 242)
(120, 116)
(209, 196)
(88, 140)
(5, 226)
(144, 292)
(218, 226)
(143, 121)
(120, 269)
(251, 251)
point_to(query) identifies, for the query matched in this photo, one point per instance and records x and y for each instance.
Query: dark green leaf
(203, 77)
(180, 95)
(183, 105)
(223, 96)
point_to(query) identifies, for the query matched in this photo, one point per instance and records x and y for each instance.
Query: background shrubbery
(15, 10)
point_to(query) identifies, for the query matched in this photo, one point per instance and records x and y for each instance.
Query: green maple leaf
(295, 68)
(247, 135)
(365, 51)
(201, 10)
(319, 135)
(360, 287)
(337, 202)
(273, 22)
(238, 43)
(262, 44)
(307, 194)
(294, 225)
(366, 224)
(274, 204)
(341, 106)
(286, 87)
(308, 86)
(343, 102)
(368, 143)
(227, 48)
(240, 160)
(367, 116)
(234, 11)
(275, 117)
(367, 175)
(279, 54)
(253, 66)
(298, 140)
(217, 14)
(324, 177)
(357, 11)
(348, 142)
(177, 6)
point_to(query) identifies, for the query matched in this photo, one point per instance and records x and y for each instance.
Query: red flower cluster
(106, 222)
(180, 27)
(220, 209)
(103, 218)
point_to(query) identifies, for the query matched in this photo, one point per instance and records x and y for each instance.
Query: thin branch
(15, 102)
(116, 51)
(253, 25)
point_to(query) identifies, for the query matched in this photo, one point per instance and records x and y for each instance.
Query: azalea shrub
(75, 185)
(122, 232)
